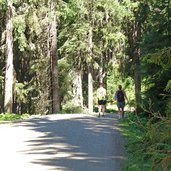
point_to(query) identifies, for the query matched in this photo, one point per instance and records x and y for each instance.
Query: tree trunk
(54, 61)
(77, 89)
(90, 89)
(137, 79)
(134, 36)
(90, 70)
(8, 101)
(101, 71)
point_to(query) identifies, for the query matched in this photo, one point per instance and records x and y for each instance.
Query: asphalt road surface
(62, 143)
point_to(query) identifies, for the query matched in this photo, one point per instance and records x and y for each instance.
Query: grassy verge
(148, 143)
(13, 117)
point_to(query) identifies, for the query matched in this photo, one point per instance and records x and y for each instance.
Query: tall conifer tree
(54, 57)
(8, 102)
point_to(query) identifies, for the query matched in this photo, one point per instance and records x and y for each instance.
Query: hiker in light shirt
(101, 96)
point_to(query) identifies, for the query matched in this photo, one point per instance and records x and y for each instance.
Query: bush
(149, 143)
(12, 117)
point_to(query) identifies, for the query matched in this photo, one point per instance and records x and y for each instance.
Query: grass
(13, 117)
(148, 143)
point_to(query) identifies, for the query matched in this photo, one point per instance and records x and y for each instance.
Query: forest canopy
(54, 54)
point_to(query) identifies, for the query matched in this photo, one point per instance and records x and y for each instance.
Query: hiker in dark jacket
(120, 97)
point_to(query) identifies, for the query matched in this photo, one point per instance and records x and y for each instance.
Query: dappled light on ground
(65, 144)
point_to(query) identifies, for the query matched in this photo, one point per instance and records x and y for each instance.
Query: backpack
(120, 96)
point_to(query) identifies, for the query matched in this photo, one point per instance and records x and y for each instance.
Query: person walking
(120, 97)
(101, 96)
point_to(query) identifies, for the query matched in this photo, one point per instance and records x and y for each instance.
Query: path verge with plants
(148, 142)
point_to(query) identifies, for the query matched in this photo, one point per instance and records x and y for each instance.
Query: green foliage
(168, 87)
(2, 4)
(21, 92)
(1, 80)
(149, 147)
(12, 117)
(110, 21)
(156, 57)
(65, 81)
(71, 108)
(19, 29)
(161, 58)
(66, 77)
(114, 79)
(158, 67)
(168, 107)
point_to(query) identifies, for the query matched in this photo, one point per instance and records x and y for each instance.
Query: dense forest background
(54, 53)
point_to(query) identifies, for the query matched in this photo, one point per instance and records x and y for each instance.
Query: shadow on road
(77, 144)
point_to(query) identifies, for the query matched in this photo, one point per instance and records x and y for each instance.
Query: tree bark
(77, 89)
(90, 89)
(8, 101)
(54, 60)
(101, 71)
(90, 73)
(137, 79)
(134, 36)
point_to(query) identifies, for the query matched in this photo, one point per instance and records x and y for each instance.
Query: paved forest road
(62, 143)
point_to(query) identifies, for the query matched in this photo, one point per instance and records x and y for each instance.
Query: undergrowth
(13, 117)
(148, 143)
